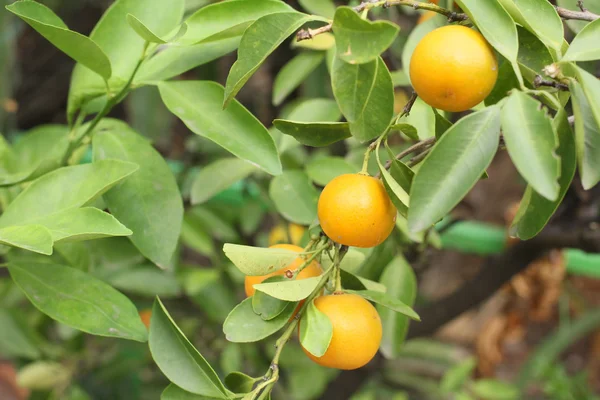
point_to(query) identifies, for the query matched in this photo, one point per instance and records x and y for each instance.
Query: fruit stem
(337, 259)
(310, 259)
(370, 149)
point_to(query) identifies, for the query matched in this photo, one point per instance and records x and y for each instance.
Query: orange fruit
(313, 269)
(453, 68)
(145, 315)
(355, 210)
(356, 331)
(280, 234)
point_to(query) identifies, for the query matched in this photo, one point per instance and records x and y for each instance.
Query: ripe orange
(356, 331)
(453, 68)
(313, 269)
(282, 234)
(355, 210)
(145, 315)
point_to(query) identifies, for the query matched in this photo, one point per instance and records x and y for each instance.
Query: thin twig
(417, 159)
(305, 34)
(580, 5)
(409, 105)
(539, 81)
(422, 145)
(578, 15)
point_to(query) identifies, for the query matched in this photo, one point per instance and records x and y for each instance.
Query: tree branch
(417, 147)
(583, 15)
(539, 81)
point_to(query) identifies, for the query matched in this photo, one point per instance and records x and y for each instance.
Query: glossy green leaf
(422, 117)
(416, 35)
(575, 25)
(534, 210)
(325, 8)
(266, 306)
(400, 281)
(147, 34)
(144, 280)
(453, 166)
(178, 359)
(357, 283)
(365, 94)
(441, 124)
(196, 103)
(81, 48)
(244, 326)
(259, 40)
(538, 17)
(239, 382)
(358, 40)
(406, 129)
(584, 47)
(295, 197)
(196, 236)
(400, 171)
(591, 87)
(531, 141)
(122, 45)
(148, 202)
(491, 389)
(258, 261)
(289, 290)
(587, 136)
(324, 169)
(507, 80)
(294, 73)
(315, 331)
(79, 185)
(16, 337)
(350, 263)
(456, 377)
(315, 134)
(495, 24)
(398, 195)
(218, 176)
(387, 301)
(228, 19)
(36, 238)
(174, 392)
(78, 300)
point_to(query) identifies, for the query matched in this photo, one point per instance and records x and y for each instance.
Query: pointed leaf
(148, 202)
(295, 197)
(323, 169)
(238, 382)
(401, 283)
(178, 359)
(315, 331)
(587, 136)
(289, 290)
(259, 40)
(80, 48)
(397, 194)
(218, 176)
(244, 326)
(78, 300)
(79, 185)
(584, 46)
(294, 73)
(258, 261)
(315, 134)
(358, 40)
(36, 238)
(535, 211)
(147, 34)
(197, 104)
(531, 141)
(387, 301)
(422, 117)
(454, 165)
(266, 306)
(456, 377)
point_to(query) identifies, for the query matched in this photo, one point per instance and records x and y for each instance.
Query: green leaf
(315, 134)
(535, 210)
(266, 306)
(406, 129)
(400, 78)
(294, 73)
(587, 136)
(415, 37)
(575, 25)
(80, 48)
(148, 202)
(79, 185)
(289, 290)
(531, 141)
(144, 280)
(16, 338)
(495, 24)
(441, 124)
(258, 261)
(350, 263)
(295, 197)
(422, 117)
(322, 42)
(195, 235)
(456, 377)
(178, 359)
(387, 301)
(396, 192)
(538, 17)
(259, 40)
(355, 282)
(36, 238)
(584, 46)
(228, 19)
(325, 8)
(454, 165)
(197, 104)
(401, 283)
(218, 176)
(174, 60)
(147, 34)
(358, 40)
(533, 55)
(491, 389)
(122, 45)
(315, 331)
(244, 326)
(365, 94)
(238, 382)
(507, 80)
(174, 392)
(324, 169)
(78, 300)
